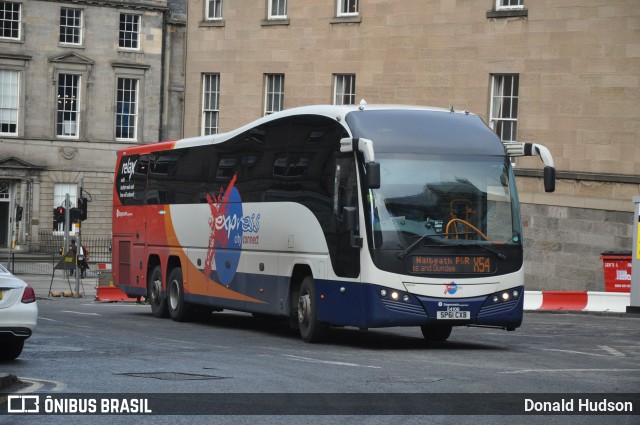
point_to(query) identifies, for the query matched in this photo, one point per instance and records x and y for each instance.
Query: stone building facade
(78, 81)
(565, 74)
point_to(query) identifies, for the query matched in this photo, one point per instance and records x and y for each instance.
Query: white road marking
(309, 360)
(567, 370)
(36, 384)
(611, 351)
(576, 352)
(68, 324)
(81, 313)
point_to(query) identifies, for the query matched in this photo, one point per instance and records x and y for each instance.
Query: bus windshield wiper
(500, 255)
(418, 242)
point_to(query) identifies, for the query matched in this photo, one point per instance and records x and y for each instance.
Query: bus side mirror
(372, 171)
(549, 179)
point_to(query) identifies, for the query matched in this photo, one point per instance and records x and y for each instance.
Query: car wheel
(12, 349)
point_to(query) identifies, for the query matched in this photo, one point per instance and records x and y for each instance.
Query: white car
(18, 314)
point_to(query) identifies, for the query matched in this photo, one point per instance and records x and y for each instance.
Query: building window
(348, 7)
(10, 20)
(210, 103)
(277, 9)
(60, 191)
(129, 36)
(127, 109)
(70, 26)
(9, 105)
(214, 9)
(509, 4)
(68, 107)
(274, 93)
(504, 106)
(344, 90)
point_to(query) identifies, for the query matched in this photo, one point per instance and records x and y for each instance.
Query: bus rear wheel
(154, 294)
(178, 309)
(433, 333)
(311, 330)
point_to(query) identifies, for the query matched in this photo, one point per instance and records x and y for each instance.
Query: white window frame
(213, 10)
(504, 105)
(344, 89)
(210, 104)
(129, 35)
(60, 191)
(67, 27)
(8, 24)
(276, 6)
(345, 5)
(130, 96)
(68, 105)
(273, 93)
(10, 102)
(509, 4)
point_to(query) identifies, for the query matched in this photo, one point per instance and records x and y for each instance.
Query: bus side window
(139, 178)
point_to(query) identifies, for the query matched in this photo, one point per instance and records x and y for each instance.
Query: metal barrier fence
(51, 246)
(30, 264)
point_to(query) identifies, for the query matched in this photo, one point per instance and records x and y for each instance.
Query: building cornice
(152, 5)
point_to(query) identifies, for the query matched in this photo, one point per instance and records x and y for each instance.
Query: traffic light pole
(80, 252)
(67, 203)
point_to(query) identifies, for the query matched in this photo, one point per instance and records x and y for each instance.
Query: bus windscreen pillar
(634, 306)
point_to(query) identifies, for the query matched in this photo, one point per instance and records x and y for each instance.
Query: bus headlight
(510, 295)
(394, 295)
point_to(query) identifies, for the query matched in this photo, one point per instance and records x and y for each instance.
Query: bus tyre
(178, 309)
(311, 329)
(433, 333)
(154, 294)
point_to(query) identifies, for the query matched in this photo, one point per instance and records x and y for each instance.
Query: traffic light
(75, 214)
(82, 206)
(58, 215)
(79, 213)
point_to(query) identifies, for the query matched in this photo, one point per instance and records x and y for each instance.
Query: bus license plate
(454, 315)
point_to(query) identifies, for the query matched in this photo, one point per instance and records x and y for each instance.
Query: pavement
(61, 286)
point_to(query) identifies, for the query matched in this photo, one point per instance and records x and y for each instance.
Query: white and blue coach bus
(364, 216)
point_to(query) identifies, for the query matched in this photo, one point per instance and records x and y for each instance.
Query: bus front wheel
(178, 309)
(311, 330)
(436, 333)
(154, 294)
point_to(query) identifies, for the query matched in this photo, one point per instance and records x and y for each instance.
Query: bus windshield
(444, 200)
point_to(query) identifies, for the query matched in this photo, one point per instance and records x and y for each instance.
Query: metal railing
(51, 246)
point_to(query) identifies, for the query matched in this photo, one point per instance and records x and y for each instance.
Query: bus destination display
(452, 264)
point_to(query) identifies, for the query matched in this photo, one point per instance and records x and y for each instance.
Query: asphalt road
(83, 347)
